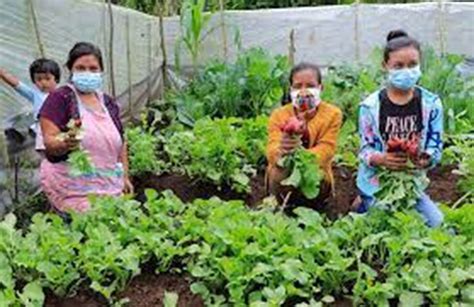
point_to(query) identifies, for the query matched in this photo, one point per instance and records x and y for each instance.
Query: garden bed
(443, 188)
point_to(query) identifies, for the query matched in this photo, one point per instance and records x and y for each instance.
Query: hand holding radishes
(391, 160)
(291, 135)
(79, 160)
(400, 153)
(73, 136)
(302, 165)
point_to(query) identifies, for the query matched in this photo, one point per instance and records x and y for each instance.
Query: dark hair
(306, 66)
(296, 69)
(45, 66)
(81, 49)
(398, 39)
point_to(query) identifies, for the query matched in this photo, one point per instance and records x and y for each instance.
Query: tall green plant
(193, 22)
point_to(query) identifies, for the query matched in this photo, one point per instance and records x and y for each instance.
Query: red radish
(395, 144)
(410, 147)
(294, 126)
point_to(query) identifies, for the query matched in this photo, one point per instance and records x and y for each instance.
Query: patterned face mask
(305, 100)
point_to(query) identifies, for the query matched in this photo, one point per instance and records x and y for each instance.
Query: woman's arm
(55, 146)
(325, 149)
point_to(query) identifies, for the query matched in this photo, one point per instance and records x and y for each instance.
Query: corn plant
(193, 22)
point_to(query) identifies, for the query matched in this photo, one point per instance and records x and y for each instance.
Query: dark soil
(145, 290)
(188, 189)
(84, 298)
(443, 185)
(443, 188)
(148, 290)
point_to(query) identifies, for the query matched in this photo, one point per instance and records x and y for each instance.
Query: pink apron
(104, 144)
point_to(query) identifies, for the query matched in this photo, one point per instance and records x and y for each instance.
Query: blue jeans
(425, 206)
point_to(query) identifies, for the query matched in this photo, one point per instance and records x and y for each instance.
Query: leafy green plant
(400, 190)
(305, 174)
(80, 163)
(466, 166)
(347, 85)
(193, 22)
(251, 86)
(441, 77)
(237, 256)
(142, 151)
(348, 145)
(223, 151)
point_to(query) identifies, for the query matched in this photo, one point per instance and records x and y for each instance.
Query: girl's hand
(392, 160)
(424, 161)
(289, 143)
(128, 186)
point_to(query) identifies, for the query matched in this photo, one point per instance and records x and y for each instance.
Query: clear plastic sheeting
(325, 35)
(335, 34)
(30, 29)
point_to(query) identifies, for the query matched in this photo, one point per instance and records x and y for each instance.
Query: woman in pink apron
(102, 136)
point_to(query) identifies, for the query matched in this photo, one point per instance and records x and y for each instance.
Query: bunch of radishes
(410, 146)
(305, 174)
(79, 160)
(74, 130)
(294, 126)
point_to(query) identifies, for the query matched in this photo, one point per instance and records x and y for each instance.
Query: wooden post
(356, 30)
(111, 48)
(129, 66)
(164, 62)
(441, 26)
(36, 28)
(148, 90)
(291, 48)
(223, 28)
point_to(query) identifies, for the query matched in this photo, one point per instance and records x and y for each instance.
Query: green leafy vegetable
(305, 174)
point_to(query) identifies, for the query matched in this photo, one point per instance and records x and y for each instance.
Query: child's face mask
(307, 99)
(87, 82)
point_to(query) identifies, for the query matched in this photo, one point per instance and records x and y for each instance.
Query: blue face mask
(404, 79)
(87, 82)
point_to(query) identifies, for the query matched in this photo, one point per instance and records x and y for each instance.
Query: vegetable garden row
(242, 249)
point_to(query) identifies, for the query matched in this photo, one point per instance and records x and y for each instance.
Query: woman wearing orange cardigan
(322, 122)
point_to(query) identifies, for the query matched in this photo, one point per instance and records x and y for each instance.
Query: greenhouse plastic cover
(325, 35)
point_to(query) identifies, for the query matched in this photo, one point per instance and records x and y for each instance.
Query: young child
(399, 110)
(45, 75)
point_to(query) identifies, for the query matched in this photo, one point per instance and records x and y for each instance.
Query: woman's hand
(289, 143)
(392, 160)
(71, 143)
(128, 186)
